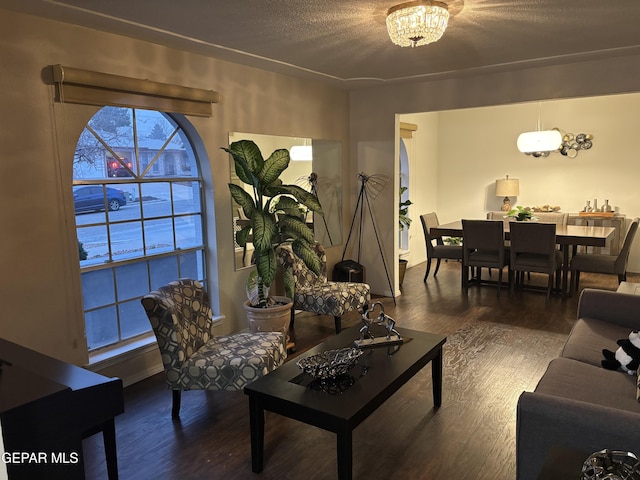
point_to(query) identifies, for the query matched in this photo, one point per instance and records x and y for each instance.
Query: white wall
(477, 146)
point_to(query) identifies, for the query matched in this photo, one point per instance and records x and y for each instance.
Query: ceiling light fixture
(302, 153)
(540, 142)
(416, 23)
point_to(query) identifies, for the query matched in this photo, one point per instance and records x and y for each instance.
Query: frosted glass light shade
(539, 141)
(301, 153)
(416, 23)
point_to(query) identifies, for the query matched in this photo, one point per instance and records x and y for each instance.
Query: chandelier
(416, 23)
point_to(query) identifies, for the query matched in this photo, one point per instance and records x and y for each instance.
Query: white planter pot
(272, 319)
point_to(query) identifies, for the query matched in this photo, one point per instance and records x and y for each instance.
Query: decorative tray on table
(330, 364)
(597, 214)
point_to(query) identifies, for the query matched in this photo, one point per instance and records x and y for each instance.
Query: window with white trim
(139, 217)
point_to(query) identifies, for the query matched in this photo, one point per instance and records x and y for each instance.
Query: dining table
(568, 237)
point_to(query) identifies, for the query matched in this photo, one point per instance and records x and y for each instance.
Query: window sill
(123, 351)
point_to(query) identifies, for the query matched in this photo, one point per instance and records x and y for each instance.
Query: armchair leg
(175, 410)
(338, 322)
(293, 317)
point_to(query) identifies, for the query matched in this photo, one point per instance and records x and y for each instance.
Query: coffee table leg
(345, 454)
(256, 421)
(436, 378)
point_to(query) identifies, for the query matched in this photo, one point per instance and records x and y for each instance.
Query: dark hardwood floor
(497, 347)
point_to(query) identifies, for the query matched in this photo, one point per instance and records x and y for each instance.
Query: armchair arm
(545, 421)
(618, 308)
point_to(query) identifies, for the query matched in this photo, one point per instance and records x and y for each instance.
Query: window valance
(74, 85)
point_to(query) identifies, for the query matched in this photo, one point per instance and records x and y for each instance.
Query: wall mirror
(320, 157)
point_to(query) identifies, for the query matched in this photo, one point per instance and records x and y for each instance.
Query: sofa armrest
(545, 421)
(618, 308)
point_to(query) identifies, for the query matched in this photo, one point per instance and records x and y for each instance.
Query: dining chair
(483, 247)
(533, 249)
(606, 264)
(559, 218)
(439, 250)
(196, 359)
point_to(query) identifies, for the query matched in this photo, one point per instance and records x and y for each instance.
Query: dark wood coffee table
(380, 372)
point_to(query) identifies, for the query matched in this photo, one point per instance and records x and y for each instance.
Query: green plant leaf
(289, 205)
(307, 254)
(266, 264)
(249, 152)
(244, 173)
(295, 228)
(241, 236)
(274, 166)
(308, 199)
(264, 229)
(289, 283)
(243, 199)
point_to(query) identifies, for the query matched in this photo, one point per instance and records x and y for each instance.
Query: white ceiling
(345, 42)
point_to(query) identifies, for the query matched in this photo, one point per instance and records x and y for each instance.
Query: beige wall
(41, 296)
(373, 141)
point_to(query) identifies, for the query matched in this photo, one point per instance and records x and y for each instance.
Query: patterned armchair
(314, 293)
(195, 359)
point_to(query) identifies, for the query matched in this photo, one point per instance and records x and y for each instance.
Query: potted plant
(404, 221)
(275, 213)
(521, 214)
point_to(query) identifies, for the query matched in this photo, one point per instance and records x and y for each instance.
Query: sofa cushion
(576, 380)
(589, 336)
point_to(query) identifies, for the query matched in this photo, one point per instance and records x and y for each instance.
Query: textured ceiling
(346, 43)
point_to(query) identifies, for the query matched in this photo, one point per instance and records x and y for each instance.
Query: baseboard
(132, 365)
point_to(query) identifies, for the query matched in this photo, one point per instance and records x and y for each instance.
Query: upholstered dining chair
(314, 293)
(439, 250)
(559, 218)
(192, 356)
(533, 249)
(483, 247)
(607, 264)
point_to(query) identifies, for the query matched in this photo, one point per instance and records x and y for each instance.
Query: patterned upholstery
(195, 359)
(314, 293)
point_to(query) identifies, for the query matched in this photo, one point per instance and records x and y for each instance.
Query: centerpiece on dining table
(521, 214)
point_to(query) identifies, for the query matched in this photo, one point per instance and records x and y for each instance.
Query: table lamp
(507, 187)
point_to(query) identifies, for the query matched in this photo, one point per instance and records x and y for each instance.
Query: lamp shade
(539, 141)
(507, 187)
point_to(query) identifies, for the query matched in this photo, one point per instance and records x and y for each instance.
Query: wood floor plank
(497, 347)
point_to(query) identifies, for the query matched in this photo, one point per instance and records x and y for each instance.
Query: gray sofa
(578, 405)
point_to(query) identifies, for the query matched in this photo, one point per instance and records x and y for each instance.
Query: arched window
(137, 193)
